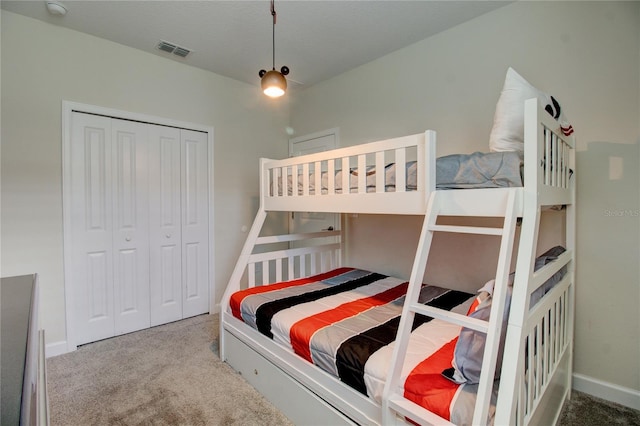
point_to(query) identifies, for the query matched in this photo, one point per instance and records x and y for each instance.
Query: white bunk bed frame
(540, 337)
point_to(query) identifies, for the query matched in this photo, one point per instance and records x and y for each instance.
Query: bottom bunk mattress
(345, 322)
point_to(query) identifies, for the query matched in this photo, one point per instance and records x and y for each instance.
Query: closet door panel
(91, 227)
(195, 222)
(130, 226)
(136, 224)
(165, 224)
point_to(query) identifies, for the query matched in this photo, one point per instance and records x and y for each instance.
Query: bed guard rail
(288, 263)
(355, 179)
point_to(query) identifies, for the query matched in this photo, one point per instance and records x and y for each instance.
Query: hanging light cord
(273, 39)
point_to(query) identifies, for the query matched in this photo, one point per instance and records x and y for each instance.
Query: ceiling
(317, 40)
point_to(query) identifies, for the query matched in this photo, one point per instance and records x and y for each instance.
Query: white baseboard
(56, 348)
(59, 348)
(607, 391)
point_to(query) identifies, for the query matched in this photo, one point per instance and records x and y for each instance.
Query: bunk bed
(534, 327)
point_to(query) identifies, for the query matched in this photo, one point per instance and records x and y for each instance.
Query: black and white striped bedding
(345, 323)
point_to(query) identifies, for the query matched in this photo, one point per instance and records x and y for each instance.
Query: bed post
(247, 249)
(429, 158)
(571, 245)
(513, 361)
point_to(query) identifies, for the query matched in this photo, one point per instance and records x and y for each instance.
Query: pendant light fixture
(273, 82)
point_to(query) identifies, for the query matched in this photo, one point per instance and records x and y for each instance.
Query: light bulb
(273, 91)
(273, 84)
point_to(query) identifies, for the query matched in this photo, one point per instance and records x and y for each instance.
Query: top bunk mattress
(457, 171)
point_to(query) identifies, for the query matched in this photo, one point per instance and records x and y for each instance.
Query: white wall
(587, 54)
(42, 65)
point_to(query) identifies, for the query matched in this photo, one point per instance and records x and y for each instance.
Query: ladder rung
(467, 229)
(415, 412)
(452, 317)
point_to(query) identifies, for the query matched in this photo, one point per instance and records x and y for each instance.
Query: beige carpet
(171, 375)
(165, 375)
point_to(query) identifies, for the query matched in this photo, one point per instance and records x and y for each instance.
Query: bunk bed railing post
(498, 307)
(429, 175)
(571, 245)
(542, 335)
(241, 264)
(238, 271)
(513, 364)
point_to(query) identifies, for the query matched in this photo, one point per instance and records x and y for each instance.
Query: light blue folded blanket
(479, 170)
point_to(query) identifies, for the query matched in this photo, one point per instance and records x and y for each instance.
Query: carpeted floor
(171, 375)
(165, 375)
(587, 410)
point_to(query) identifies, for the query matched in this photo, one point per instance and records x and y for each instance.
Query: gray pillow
(467, 357)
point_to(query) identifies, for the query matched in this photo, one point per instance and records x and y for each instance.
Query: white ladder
(394, 402)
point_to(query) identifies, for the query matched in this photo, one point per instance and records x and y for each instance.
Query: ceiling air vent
(165, 46)
(181, 51)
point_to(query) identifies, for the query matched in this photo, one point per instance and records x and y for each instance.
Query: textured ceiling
(316, 39)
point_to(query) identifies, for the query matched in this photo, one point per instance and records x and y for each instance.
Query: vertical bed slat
(401, 167)
(284, 178)
(303, 266)
(317, 178)
(565, 321)
(295, 180)
(566, 152)
(561, 321)
(362, 174)
(547, 361)
(380, 171)
(554, 157)
(559, 347)
(530, 372)
(305, 179)
(273, 182)
(538, 356)
(563, 165)
(290, 272)
(314, 264)
(545, 345)
(331, 174)
(552, 338)
(556, 329)
(547, 155)
(251, 275)
(552, 160)
(346, 174)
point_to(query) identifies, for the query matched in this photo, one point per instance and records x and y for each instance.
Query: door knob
(127, 239)
(328, 229)
(168, 235)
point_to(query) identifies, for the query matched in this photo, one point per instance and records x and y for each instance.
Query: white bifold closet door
(178, 223)
(140, 225)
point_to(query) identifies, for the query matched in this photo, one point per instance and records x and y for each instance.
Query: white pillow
(507, 133)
